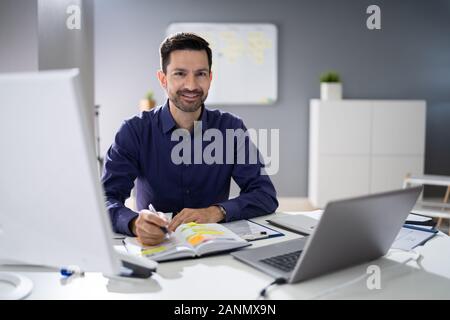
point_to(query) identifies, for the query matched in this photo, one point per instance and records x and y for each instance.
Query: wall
(34, 36)
(408, 59)
(63, 48)
(18, 35)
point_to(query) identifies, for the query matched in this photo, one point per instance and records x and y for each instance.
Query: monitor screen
(52, 210)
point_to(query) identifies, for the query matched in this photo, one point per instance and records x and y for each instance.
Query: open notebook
(189, 240)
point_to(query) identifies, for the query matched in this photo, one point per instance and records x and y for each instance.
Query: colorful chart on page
(198, 233)
(195, 239)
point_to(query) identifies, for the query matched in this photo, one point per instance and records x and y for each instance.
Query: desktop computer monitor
(52, 209)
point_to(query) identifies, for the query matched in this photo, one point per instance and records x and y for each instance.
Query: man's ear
(210, 76)
(162, 78)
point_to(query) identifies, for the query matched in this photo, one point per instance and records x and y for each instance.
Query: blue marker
(70, 271)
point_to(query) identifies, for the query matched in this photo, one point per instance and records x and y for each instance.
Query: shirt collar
(168, 123)
(204, 118)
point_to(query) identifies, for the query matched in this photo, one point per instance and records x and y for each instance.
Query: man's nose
(191, 82)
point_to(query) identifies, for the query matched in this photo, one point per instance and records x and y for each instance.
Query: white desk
(223, 277)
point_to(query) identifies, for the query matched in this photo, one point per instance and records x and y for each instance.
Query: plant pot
(146, 105)
(331, 91)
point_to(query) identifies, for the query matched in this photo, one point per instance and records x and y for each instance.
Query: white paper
(415, 217)
(407, 239)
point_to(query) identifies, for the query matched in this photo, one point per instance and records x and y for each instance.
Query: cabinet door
(398, 127)
(344, 127)
(341, 177)
(388, 172)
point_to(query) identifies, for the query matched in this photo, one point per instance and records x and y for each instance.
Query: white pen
(152, 209)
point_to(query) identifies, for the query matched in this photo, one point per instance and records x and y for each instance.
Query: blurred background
(117, 51)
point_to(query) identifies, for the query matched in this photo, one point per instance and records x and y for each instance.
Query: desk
(223, 277)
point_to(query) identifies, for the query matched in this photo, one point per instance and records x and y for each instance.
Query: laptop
(350, 232)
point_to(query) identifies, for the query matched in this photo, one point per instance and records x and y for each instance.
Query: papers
(416, 231)
(417, 218)
(408, 238)
(249, 230)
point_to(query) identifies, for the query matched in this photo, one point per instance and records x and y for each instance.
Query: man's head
(185, 73)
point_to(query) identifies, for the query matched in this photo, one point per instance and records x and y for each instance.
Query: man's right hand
(147, 227)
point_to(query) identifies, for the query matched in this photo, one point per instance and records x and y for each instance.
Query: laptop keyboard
(285, 262)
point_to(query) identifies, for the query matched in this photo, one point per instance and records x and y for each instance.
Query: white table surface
(223, 277)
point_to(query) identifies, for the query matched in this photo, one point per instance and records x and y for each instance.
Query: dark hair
(183, 41)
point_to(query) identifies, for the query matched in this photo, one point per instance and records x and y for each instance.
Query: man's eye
(202, 74)
(178, 73)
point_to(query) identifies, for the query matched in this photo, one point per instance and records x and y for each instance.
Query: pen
(70, 271)
(255, 236)
(419, 228)
(152, 209)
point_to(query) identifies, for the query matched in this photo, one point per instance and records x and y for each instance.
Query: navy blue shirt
(142, 152)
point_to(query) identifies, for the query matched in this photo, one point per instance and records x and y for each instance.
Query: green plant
(149, 95)
(330, 76)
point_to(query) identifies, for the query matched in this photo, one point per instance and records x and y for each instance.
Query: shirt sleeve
(119, 173)
(258, 195)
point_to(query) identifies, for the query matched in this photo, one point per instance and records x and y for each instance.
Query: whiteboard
(244, 61)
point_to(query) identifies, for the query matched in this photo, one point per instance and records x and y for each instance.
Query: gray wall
(18, 35)
(408, 59)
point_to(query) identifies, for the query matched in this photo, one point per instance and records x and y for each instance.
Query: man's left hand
(205, 215)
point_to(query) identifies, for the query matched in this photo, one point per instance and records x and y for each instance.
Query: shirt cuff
(232, 209)
(123, 221)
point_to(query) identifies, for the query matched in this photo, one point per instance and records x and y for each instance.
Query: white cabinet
(358, 147)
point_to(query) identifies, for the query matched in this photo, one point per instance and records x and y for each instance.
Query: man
(143, 150)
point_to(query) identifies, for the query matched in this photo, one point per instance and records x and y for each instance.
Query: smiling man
(143, 151)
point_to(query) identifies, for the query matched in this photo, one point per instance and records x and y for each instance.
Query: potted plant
(330, 86)
(148, 102)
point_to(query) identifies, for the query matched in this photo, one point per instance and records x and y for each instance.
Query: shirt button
(188, 191)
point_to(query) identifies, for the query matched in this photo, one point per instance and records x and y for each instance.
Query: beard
(188, 101)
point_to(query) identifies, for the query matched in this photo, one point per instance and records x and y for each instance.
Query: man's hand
(147, 227)
(206, 215)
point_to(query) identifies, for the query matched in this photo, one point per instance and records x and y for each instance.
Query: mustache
(199, 92)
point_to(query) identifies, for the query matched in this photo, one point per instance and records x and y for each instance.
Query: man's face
(187, 79)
